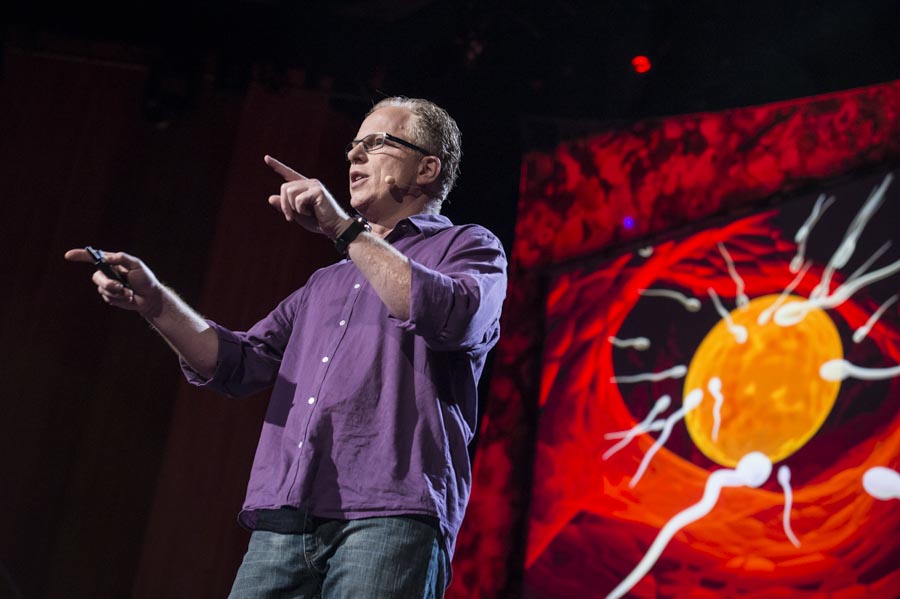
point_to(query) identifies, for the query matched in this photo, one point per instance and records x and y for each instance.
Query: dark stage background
(143, 127)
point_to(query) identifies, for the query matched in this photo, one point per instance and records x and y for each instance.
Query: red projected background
(549, 517)
(675, 361)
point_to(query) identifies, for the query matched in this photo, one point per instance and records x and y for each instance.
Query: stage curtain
(118, 479)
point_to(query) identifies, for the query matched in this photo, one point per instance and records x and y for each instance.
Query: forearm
(386, 269)
(186, 332)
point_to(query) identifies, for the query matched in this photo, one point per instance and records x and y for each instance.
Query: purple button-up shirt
(370, 415)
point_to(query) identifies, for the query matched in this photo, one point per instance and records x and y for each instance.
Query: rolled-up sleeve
(456, 305)
(248, 361)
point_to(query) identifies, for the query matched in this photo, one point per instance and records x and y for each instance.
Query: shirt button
(311, 400)
(300, 444)
(356, 286)
(342, 323)
(324, 359)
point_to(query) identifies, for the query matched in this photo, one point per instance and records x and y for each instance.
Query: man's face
(370, 195)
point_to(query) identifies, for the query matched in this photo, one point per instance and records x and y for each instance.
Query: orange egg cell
(773, 399)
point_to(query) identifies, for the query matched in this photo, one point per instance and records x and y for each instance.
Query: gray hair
(435, 130)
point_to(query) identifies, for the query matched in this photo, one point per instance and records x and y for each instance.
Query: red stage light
(640, 64)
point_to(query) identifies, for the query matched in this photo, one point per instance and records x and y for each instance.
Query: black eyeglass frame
(387, 137)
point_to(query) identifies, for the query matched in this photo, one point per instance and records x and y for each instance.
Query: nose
(356, 153)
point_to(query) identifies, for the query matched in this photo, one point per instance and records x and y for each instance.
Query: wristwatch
(357, 226)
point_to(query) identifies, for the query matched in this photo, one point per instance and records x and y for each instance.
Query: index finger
(282, 169)
(122, 259)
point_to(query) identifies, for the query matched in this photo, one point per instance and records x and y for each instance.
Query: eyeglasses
(374, 141)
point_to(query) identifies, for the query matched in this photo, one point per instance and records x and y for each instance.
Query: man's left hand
(307, 202)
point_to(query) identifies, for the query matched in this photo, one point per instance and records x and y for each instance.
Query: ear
(429, 170)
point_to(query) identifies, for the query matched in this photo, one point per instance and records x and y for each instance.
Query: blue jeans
(373, 558)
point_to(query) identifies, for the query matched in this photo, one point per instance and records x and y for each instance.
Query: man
(361, 476)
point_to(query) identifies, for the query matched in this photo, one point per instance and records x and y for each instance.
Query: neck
(381, 231)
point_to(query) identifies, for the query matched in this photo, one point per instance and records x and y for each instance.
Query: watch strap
(343, 241)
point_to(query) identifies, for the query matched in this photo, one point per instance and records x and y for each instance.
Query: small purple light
(628, 222)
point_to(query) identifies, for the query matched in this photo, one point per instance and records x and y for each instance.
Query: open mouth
(356, 178)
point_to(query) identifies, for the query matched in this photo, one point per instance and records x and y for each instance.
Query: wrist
(350, 232)
(153, 304)
(342, 227)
